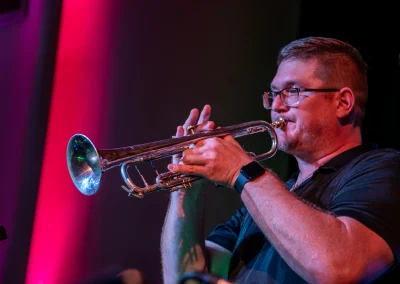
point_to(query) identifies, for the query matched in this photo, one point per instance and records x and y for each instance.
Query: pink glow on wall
(18, 65)
(78, 101)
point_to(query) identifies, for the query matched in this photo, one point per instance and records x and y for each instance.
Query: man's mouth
(279, 123)
(282, 122)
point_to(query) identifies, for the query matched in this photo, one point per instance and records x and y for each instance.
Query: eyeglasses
(289, 96)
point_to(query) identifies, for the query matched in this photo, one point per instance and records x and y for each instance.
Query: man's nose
(277, 105)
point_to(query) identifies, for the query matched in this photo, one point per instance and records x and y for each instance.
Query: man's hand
(217, 159)
(202, 123)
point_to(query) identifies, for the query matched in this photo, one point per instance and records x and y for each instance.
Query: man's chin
(285, 144)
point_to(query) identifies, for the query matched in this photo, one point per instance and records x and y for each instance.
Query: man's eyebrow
(286, 85)
(272, 87)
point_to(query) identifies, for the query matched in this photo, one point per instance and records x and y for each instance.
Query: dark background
(167, 58)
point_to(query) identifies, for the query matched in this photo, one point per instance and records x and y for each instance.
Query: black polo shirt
(359, 183)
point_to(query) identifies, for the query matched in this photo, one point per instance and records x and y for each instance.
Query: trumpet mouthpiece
(280, 123)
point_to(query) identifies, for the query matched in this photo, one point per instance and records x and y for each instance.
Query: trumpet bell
(84, 164)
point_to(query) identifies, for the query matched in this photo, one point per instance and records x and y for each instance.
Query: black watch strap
(248, 173)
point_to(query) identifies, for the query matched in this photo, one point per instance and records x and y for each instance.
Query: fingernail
(171, 167)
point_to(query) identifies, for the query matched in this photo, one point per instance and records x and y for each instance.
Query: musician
(335, 220)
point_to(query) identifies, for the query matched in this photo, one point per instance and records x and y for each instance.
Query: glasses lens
(267, 100)
(290, 96)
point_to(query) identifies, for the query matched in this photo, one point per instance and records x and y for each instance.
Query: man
(334, 221)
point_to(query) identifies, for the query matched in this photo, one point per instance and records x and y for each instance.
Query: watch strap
(240, 182)
(245, 177)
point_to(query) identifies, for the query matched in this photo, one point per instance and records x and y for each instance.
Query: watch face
(253, 170)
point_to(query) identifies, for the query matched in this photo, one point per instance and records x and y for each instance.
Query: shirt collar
(336, 162)
(343, 158)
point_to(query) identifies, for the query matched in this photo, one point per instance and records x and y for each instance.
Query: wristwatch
(248, 173)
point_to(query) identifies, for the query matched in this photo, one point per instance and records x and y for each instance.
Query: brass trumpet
(86, 163)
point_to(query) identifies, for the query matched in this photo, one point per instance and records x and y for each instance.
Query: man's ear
(345, 102)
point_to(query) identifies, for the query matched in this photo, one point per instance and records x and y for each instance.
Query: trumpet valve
(191, 128)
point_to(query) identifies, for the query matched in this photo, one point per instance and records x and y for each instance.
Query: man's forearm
(182, 239)
(309, 240)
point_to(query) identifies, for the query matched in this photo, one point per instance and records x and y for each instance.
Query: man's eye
(292, 91)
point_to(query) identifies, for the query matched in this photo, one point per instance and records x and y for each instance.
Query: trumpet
(86, 163)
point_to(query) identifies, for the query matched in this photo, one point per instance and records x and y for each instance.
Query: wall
(27, 49)
(125, 73)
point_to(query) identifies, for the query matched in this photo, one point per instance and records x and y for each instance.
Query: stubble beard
(298, 144)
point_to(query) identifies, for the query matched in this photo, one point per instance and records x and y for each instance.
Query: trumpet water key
(86, 163)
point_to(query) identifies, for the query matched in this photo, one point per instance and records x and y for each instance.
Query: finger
(187, 169)
(194, 151)
(200, 144)
(229, 138)
(208, 125)
(191, 120)
(180, 131)
(205, 114)
(210, 141)
(193, 160)
(205, 144)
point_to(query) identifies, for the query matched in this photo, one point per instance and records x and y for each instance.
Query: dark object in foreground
(3, 234)
(201, 278)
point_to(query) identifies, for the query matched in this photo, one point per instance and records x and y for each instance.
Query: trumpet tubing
(86, 163)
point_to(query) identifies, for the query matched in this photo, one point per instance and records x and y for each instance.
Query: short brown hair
(338, 60)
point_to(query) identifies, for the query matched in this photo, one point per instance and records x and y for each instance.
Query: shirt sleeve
(370, 193)
(227, 234)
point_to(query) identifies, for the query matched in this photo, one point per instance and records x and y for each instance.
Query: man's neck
(308, 167)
